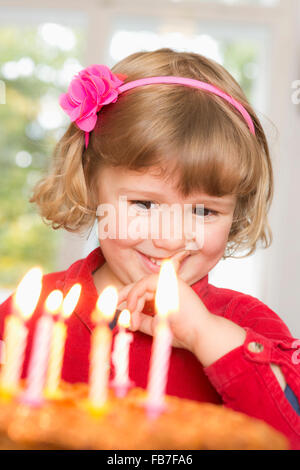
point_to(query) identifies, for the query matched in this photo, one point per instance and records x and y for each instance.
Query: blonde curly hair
(178, 129)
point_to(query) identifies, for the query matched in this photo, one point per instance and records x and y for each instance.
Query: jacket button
(255, 347)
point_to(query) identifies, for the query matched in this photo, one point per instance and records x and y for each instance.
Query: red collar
(81, 271)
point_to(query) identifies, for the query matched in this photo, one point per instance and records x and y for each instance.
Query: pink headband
(96, 86)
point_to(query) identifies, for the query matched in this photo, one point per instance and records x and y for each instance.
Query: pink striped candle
(120, 356)
(166, 302)
(38, 362)
(59, 335)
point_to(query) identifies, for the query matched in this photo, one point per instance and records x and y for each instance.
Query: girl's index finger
(126, 292)
(147, 284)
(122, 294)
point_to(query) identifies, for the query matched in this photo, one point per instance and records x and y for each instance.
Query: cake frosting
(68, 423)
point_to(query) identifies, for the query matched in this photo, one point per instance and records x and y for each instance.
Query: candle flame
(106, 304)
(54, 301)
(124, 318)
(28, 292)
(166, 297)
(71, 300)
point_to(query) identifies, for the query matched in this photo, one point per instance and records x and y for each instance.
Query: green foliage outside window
(31, 71)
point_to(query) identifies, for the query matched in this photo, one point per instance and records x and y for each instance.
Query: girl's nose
(170, 234)
(169, 245)
(174, 234)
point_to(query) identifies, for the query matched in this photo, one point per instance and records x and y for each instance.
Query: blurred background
(43, 44)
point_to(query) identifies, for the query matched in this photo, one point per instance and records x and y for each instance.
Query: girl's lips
(154, 267)
(148, 263)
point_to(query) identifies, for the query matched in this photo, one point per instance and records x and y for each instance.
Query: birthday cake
(66, 423)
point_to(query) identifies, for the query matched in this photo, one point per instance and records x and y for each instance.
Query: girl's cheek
(215, 238)
(107, 220)
(138, 228)
(127, 229)
(119, 225)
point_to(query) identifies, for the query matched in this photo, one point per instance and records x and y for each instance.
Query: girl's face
(143, 196)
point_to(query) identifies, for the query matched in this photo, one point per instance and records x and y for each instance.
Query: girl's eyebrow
(140, 191)
(204, 199)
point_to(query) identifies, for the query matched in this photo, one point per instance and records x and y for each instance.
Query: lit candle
(166, 302)
(120, 355)
(100, 349)
(15, 332)
(38, 362)
(58, 339)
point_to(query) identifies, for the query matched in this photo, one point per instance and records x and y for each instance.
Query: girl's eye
(204, 211)
(144, 205)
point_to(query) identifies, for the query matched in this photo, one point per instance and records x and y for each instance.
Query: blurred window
(242, 51)
(37, 60)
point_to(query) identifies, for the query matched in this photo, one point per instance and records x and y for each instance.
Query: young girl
(193, 140)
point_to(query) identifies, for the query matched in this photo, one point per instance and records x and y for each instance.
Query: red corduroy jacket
(242, 379)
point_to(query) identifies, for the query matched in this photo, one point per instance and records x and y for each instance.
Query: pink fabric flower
(89, 90)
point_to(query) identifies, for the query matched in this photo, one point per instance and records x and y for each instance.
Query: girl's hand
(185, 324)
